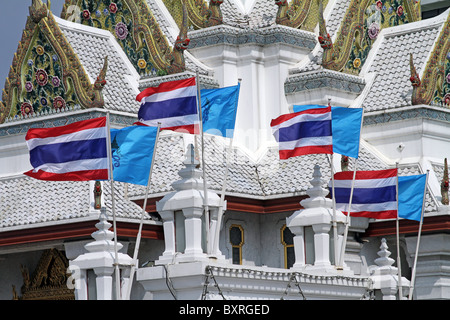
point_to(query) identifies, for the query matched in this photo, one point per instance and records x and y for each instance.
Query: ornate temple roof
(66, 59)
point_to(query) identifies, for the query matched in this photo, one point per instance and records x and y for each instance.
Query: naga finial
(97, 195)
(38, 10)
(324, 37)
(415, 79)
(445, 184)
(344, 163)
(214, 13)
(176, 59)
(282, 13)
(100, 82)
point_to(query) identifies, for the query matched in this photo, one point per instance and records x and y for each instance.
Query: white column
(322, 244)
(104, 282)
(299, 246)
(193, 227)
(81, 290)
(169, 232)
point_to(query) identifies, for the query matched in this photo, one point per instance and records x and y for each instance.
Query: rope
(300, 291)
(210, 275)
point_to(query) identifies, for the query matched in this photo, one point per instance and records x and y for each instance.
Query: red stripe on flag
(387, 214)
(191, 128)
(166, 86)
(289, 116)
(365, 175)
(101, 174)
(300, 151)
(67, 129)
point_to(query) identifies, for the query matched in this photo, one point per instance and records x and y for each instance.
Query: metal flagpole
(222, 200)
(205, 191)
(413, 276)
(113, 205)
(399, 266)
(215, 248)
(347, 220)
(138, 238)
(335, 235)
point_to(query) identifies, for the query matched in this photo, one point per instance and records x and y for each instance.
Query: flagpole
(413, 276)
(347, 220)
(139, 235)
(399, 266)
(113, 205)
(205, 191)
(335, 235)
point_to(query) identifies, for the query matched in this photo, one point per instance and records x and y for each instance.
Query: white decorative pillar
(299, 246)
(169, 233)
(318, 214)
(188, 197)
(384, 275)
(322, 244)
(193, 231)
(100, 259)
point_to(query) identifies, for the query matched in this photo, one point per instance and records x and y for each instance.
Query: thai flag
(374, 193)
(304, 132)
(173, 104)
(75, 152)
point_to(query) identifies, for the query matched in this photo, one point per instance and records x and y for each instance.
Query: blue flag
(411, 190)
(132, 153)
(345, 126)
(219, 108)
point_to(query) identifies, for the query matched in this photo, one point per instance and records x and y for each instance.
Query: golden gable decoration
(136, 30)
(46, 74)
(434, 87)
(359, 29)
(49, 280)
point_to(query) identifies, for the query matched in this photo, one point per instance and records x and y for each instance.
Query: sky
(13, 15)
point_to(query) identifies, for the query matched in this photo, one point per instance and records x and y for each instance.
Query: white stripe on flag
(305, 142)
(173, 121)
(302, 118)
(371, 207)
(88, 134)
(71, 166)
(174, 94)
(365, 183)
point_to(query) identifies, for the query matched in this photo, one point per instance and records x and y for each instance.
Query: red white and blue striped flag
(75, 152)
(173, 104)
(304, 132)
(374, 193)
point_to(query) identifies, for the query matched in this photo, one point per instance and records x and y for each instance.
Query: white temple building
(275, 236)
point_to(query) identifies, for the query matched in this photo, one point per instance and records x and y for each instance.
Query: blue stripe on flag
(68, 151)
(366, 195)
(168, 108)
(305, 130)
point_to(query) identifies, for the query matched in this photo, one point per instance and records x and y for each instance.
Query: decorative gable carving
(136, 30)
(46, 75)
(434, 87)
(49, 280)
(359, 29)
